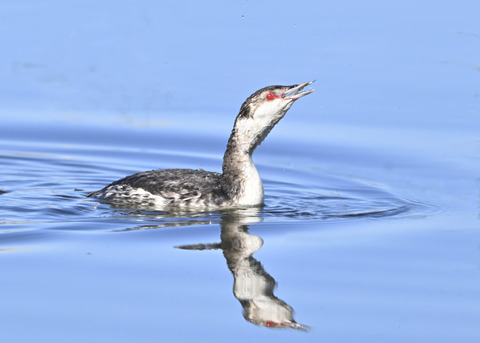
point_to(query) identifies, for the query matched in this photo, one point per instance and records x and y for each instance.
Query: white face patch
(270, 105)
(264, 114)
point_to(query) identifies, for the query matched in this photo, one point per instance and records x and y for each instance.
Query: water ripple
(50, 189)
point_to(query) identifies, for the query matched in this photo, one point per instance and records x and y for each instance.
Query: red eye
(270, 96)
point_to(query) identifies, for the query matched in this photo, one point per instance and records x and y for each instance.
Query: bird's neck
(240, 177)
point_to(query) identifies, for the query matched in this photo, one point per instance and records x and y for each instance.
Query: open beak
(295, 92)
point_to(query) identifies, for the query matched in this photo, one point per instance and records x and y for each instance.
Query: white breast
(252, 186)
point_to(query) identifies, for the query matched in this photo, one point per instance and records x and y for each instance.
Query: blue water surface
(370, 230)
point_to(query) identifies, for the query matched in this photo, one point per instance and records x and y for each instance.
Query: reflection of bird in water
(238, 185)
(253, 286)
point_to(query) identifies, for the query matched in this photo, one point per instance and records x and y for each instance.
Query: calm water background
(371, 227)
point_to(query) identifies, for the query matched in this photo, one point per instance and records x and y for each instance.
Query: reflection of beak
(287, 325)
(295, 92)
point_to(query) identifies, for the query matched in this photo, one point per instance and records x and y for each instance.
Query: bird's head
(263, 110)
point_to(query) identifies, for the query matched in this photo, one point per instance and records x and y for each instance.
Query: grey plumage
(195, 187)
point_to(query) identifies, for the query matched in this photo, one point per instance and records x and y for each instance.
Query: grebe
(239, 185)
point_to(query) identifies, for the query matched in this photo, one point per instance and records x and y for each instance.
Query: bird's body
(162, 189)
(238, 185)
